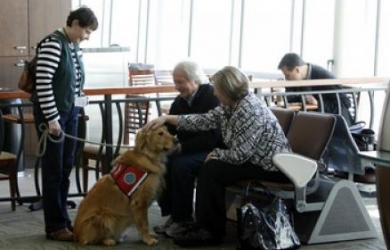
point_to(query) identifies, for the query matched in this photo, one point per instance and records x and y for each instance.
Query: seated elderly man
(196, 96)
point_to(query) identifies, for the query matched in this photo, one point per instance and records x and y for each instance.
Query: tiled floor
(23, 229)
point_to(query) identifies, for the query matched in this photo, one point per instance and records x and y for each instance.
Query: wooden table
(298, 106)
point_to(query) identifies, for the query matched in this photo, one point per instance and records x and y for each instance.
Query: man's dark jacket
(330, 100)
(204, 100)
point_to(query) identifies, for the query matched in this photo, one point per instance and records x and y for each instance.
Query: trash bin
(12, 131)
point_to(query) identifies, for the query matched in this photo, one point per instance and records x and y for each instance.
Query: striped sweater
(48, 88)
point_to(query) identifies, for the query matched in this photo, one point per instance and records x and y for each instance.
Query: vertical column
(354, 38)
(384, 127)
(383, 172)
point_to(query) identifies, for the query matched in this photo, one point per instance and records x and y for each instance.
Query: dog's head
(154, 140)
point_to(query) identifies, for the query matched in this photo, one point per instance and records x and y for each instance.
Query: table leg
(383, 200)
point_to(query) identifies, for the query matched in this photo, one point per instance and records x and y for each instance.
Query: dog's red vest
(128, 178)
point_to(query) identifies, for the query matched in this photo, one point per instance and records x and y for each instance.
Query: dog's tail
(96, 228)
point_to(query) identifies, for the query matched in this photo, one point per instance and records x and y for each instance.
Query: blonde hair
(231, 82)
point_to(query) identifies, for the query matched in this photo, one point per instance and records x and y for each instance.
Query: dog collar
(128, 178)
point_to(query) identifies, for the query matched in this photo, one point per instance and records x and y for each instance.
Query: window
(317, 44)
(266, 34)
(98, 7)
(210, 43)
(251, 34)
(168, 32)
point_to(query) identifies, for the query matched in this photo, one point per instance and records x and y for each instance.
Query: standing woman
(57, 100)
(251, 134)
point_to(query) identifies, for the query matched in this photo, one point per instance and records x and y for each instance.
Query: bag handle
(245, 195)
(357, 127)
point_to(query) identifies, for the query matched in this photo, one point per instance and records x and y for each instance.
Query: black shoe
(197, 237)
(163, 228)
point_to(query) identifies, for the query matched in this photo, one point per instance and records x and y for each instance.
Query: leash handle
(42, 143)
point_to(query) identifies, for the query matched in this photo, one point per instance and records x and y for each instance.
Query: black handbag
(264, 228)
(364, 137)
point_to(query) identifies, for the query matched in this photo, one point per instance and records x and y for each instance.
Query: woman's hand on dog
(155, 123)
(158, 122)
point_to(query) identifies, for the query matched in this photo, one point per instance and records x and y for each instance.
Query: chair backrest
(141, 77)
(1, 131)
(136, 116)
(310, 133)
(284, 116)
(137, 112)
(354, 98)
(342, 153)
(163, 77)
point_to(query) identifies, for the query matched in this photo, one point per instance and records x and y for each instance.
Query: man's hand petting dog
(175, 150)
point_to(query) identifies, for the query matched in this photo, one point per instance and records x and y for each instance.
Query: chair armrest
(297, 168)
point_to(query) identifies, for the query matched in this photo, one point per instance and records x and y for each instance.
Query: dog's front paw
(150, 240)
(109, 242)
(153, 234)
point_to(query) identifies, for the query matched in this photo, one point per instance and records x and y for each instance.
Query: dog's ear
(140, 140)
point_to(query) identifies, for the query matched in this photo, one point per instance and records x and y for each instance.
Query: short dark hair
(290, 61)
(85, 16)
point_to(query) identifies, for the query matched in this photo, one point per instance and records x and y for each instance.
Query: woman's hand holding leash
(54, 128)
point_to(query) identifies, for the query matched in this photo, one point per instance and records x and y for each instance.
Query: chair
(323, 210)
(8, 167)
(342, 157)
(95, 153)
(285, 117)
(136, 115)
(354, 98)
(164, 77)
(308, 146)
(141, 77)
(22, 119)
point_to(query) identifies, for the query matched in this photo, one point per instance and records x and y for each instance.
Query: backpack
(27, 79)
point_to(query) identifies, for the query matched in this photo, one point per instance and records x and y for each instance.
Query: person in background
(196, 96)
(251, 136)
(56, 102)
(295, 68)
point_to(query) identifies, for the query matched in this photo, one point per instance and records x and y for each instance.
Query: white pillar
(384, 129)
(354, 38)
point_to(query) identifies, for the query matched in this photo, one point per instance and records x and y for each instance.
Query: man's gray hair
(192, 71)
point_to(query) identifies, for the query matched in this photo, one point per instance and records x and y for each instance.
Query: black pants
(332, 107)
(213, 177)
(57, 164)
(177, 197)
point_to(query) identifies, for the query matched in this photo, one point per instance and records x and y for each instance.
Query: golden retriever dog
(107, 211)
